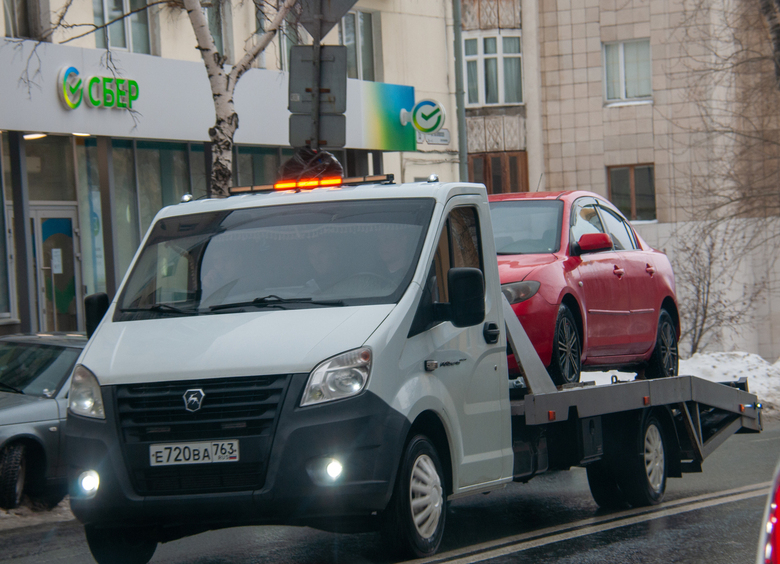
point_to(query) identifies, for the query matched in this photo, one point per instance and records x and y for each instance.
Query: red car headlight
(517, 292)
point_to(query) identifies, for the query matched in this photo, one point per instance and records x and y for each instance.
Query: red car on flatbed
(590, 293)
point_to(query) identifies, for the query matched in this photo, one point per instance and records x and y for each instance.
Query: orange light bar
(551, 416)
(646, 400)
(742, 408)
(307, 183)
(285, 185)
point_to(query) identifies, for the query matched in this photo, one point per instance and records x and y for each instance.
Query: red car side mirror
(594, 242)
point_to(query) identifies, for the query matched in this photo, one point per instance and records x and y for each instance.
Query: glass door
(57, 267)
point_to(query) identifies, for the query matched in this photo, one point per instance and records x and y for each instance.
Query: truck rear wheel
(644, 481)
(604, 487)
(414, 519)
(120, 546)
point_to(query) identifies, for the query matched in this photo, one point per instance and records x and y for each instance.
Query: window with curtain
(128, 25)
(6, 304)
(18, 16)
(627, 71)
(356, 32)
(632, 190)
(290, 36)
(494, 68)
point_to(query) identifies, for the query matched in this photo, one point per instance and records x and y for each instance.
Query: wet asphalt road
(550, 519)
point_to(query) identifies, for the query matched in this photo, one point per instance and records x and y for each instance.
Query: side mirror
(594, 242)
(467, 296)
(95, 307)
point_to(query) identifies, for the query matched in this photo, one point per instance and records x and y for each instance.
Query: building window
(632, 190)
(290, 36)
(500, 172)
(357, 34)
(18, 16)
(493, 69)
(627, 71)
(130, 27)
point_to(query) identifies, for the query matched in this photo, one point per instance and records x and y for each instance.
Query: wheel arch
(571, 302)
(670, 306)
(428, 423)
(35, 475)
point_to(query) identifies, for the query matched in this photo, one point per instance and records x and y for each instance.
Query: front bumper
(364, 433)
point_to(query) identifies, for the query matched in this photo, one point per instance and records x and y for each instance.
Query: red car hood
(514, 268)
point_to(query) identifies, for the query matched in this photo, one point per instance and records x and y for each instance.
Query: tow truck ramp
(703, 413)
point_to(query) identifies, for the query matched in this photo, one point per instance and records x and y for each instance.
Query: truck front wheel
(414, 519)
(120, 546)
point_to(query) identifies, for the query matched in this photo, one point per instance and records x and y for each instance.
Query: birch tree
(223, 82)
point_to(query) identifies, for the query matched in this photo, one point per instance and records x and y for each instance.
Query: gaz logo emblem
(193, 399)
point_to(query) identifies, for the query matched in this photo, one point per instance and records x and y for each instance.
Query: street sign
(333, 131)
(441, 137)
(333, 79)
(332, 11)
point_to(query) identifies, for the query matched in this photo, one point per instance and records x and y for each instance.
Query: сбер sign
(96, 91)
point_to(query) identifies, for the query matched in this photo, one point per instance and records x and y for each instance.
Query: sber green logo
(96, 91)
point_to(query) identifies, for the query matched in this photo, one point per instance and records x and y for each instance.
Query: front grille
(231, 408)
(198, 479)
(245, 408)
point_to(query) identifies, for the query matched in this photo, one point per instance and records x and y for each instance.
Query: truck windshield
(282, 257)
(526, 227)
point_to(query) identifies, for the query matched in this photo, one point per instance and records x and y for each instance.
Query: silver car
(34, 382)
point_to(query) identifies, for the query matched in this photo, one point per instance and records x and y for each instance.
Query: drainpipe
(463, 164)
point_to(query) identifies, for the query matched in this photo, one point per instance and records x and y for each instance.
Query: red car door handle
(650, 270)
(619, 272)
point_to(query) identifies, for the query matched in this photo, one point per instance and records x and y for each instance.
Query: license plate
(193, 453)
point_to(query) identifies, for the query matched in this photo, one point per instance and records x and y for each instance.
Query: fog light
(334, 469)
(89, 482)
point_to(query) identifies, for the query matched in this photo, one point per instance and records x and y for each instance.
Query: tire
(49, 498)
(604, 487)
(120, 546)
(13, 469)
(565, 365)
(644, 478)
(664, 360)
(414, 518)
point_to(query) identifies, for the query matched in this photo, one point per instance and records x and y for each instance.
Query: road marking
(549, 535)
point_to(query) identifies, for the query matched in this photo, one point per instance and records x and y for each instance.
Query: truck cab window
(458, 246)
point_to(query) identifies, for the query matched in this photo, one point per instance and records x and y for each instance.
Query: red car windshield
(526, 227)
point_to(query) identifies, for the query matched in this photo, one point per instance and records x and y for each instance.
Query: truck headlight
(84, 397)
(340, 377)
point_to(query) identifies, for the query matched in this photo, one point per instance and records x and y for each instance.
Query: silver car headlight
(84, 397)
(340, 377)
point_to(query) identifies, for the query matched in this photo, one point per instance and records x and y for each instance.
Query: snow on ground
(763, 377)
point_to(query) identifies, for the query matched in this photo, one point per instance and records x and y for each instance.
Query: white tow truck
(335, 355)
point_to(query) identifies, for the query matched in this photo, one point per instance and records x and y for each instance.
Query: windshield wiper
(276, 301)
(159, 308)
(8, 387)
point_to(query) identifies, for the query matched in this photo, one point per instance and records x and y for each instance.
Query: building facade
(625, 92)
(101, 130)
